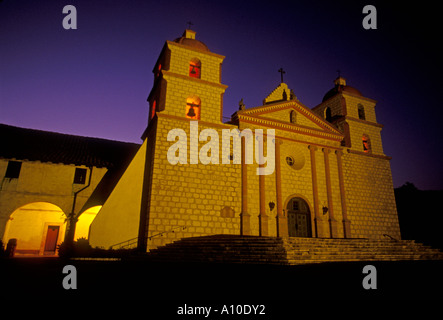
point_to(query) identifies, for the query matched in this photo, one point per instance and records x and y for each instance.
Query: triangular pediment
(280, 94)
(289, 115)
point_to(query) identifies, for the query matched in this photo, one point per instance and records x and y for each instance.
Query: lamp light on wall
(271, 205)
(325, 210)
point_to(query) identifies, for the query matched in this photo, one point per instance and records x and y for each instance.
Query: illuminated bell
(193, 70)
(191, 112)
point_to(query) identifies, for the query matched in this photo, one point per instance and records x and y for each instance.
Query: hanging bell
(191, 112)
(193, 70)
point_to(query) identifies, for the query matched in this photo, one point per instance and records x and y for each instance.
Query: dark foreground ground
(212, 284)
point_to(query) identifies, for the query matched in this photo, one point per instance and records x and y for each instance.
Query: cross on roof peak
(282, 72)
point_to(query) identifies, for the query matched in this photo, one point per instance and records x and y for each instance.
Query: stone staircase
(314, 250)
(223, 249)
(271, 250)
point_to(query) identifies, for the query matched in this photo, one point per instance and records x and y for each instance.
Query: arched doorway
(299, 218)
(84, 222)
(38, 227)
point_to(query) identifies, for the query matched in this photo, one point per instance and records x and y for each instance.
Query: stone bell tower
(367, 184)
(354, 115)
(187, 198)
(187, 81)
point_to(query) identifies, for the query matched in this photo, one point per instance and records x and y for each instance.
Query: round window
(293, 155)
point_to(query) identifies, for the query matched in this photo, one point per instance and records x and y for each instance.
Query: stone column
(332, 221)
(282, 223)
(263, 217)
(346, 222)
(320, 231)
(245, 225)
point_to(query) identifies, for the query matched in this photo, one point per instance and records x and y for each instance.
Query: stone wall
(42, 195)
(118, 220)
(370, 196)
(43, 182)
(188, 199)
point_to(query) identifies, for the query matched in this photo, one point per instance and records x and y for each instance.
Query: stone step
(228, 248)
(314, 250)
(267, 260)
(369, 249)
(252, 249)
(289, 254)
(264, 247)
(221, 258)
(294, 246)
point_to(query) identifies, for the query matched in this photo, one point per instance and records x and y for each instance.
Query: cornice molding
(364, 122)
(167, 74)
(361, 153)
(291, 127)
(195, 49)
(288, 105)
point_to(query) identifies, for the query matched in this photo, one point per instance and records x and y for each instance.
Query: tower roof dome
(188, 39)
(340, 86)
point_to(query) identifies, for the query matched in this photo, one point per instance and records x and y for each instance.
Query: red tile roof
(37, 145)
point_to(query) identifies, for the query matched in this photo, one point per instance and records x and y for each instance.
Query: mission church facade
(331, 178)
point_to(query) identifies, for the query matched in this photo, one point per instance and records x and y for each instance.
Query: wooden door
(299, 218)
(292, 224)
(302, 225)
(51, 238)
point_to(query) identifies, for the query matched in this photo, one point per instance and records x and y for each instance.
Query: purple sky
(94, 81)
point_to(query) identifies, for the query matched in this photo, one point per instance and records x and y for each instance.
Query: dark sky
(94, 81)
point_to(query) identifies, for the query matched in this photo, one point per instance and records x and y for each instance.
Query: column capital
(326, 150)
(312, 148)
(339, 152)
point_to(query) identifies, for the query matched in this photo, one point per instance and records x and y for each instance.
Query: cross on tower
(189, 23)
(282, 73)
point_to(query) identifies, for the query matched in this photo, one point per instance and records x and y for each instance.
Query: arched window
(328, 114)
(159, 68)
(293, 116)
(153, 107)
(366, 144)
(361, 112)
(193, 106)
(195, 68)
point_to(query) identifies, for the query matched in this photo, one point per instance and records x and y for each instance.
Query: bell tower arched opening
(193, 105)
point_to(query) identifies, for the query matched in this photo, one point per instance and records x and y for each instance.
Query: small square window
(13, 169)
(80, 176)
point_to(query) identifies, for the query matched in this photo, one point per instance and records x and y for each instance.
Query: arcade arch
(38, 227)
